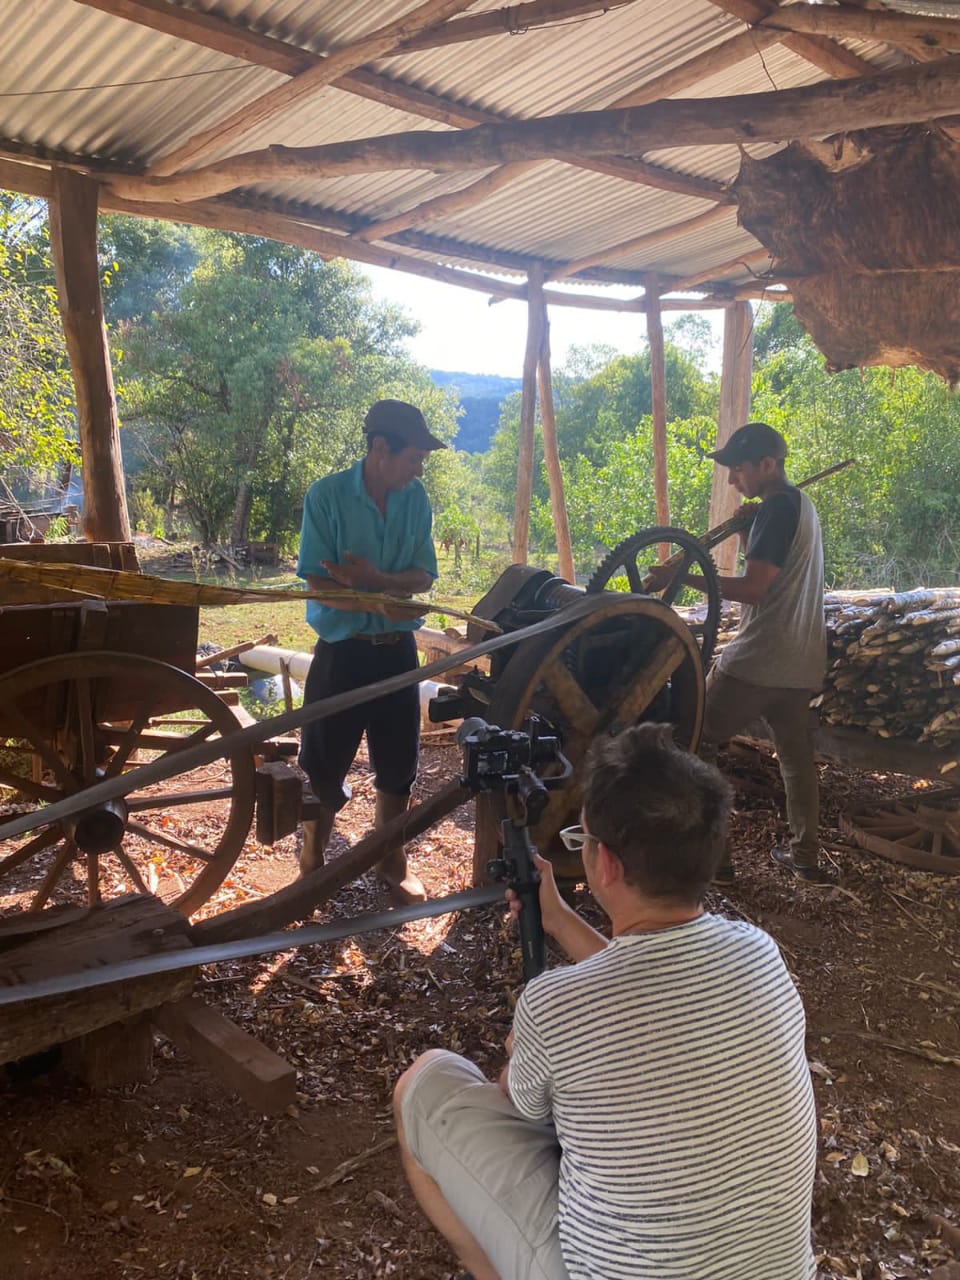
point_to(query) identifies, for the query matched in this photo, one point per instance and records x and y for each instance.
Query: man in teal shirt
(368, 528)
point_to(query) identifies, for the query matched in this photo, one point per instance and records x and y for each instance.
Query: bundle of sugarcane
(84, 582)
(893, 663)
(884, 673)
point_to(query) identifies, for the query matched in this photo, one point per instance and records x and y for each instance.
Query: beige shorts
(497, 1171)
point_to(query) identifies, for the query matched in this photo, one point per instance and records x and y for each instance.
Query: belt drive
(264, 944)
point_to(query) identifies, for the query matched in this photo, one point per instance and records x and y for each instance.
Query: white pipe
(266, 657)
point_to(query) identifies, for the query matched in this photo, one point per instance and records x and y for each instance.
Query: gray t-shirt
(782, 641)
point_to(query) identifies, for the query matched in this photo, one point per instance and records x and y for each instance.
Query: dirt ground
(177, 1178)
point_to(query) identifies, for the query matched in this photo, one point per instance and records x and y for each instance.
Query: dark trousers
(391, 723)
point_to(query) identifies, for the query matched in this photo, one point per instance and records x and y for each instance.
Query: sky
(462, 332)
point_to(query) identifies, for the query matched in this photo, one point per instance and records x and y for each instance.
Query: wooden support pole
(658, 397)
(528, 413)
(551, 452)
(73, 240)
(735, 383)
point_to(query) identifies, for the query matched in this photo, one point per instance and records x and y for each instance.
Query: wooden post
(735, 383)
(73, 240)
(658, 397)
(551, 451)
(528, 413)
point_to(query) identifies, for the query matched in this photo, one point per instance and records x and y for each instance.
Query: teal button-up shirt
(340, 516)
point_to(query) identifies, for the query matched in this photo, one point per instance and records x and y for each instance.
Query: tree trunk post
(551, 451)
(735, 380)
(73, 240)
(528, 413)
(658, 401)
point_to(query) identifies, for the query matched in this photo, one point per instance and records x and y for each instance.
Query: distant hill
(481, 395)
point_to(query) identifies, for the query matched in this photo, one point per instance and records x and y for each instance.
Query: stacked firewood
(893, 663)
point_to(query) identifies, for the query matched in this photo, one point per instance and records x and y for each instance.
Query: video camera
(506, 761)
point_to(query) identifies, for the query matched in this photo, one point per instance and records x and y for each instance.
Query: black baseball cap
(749, 444)
(405, 421)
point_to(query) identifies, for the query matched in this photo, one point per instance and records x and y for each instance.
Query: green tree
(892, 518)
(37, 424)
(253, 379)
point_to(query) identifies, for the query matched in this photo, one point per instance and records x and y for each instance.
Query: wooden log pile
(893, 663)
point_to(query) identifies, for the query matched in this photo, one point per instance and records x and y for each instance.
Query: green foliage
(252, 379)
(146, 513)
(37, 438)
(891, 519)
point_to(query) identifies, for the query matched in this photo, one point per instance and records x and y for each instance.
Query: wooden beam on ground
(551, 451)
(735, 380)
(658, 404)
(73, 243)
(916, 93)
(302, 897)
(829, 56)
(649, 240)
(269, 105)
(528, 417)
(264, 1080)
(837, 21)
(512, 20)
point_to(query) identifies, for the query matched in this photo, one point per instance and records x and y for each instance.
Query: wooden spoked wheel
(632, 659)
(919, 831)
(59, 734)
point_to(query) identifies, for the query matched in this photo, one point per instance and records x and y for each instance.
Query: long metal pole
(218, 748)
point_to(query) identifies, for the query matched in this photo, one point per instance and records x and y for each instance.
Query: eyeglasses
(574, 838)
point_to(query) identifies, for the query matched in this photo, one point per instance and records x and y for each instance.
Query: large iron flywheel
(628, 660)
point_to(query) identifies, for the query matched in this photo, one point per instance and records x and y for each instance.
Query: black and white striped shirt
(673, 1067)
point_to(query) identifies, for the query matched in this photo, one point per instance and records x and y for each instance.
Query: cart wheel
(176, 839)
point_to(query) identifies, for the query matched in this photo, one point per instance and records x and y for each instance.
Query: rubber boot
(404, 886)
(316, 836)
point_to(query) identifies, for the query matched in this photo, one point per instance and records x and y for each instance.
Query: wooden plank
(263, 1079)
(120, 1053)
(735, 382)
(279, 801)
(73, 243)
(300, 898)
(136, 924)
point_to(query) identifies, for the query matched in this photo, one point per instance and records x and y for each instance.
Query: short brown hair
(661, 810)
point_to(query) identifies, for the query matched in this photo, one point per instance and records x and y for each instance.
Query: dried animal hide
(866, 230)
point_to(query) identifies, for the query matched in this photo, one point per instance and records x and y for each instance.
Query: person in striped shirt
(655, 1118)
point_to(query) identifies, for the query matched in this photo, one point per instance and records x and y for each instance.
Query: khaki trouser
(732, 705)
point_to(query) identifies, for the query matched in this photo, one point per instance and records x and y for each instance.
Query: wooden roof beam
(829, 56)
(906, 96)
(746, 260)
(648, 241)
(271, 104)
(226, 37)
(837, 21)
(712, 61)
(511, 20)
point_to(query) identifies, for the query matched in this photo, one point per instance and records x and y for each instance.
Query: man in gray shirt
(777, 660)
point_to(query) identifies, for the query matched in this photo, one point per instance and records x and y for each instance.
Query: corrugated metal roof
(77, 81)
